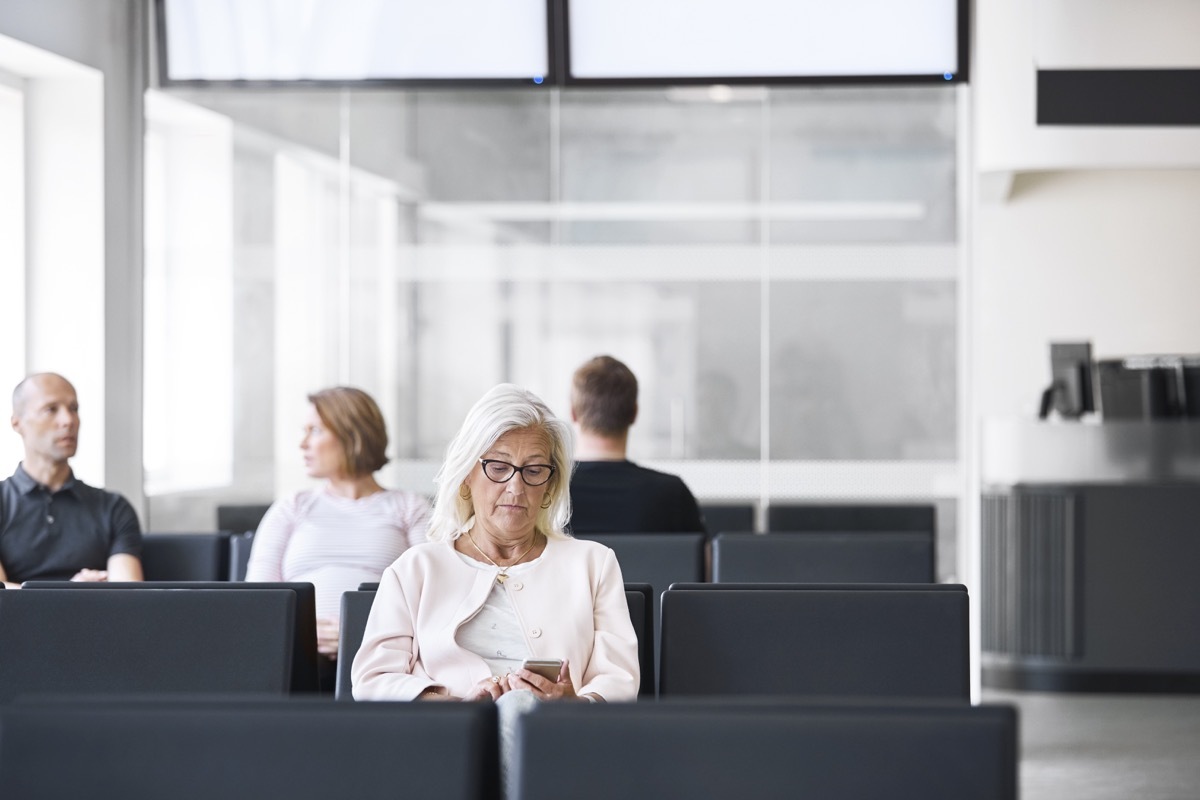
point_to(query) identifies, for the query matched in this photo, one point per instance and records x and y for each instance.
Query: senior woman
(349, 530)
(499, 582)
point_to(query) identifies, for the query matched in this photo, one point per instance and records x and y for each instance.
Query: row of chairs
(719, 517)
(861, 640)
(717, 639)
(815, 557)
(300, 750)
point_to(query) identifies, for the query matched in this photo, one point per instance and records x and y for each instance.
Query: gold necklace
(502, 576)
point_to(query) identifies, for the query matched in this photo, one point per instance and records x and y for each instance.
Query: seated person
(499, 582)
(349, 530)
(610, 493)
(54, 526)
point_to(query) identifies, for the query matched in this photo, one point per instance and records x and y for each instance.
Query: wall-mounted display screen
(339, 41)
(717, 40)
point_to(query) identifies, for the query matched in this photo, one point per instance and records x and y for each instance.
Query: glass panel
(426, 245)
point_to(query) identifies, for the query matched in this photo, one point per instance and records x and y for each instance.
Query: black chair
(240, 545)
(720, 517)
(823, 558)
(186, 556)
(640, 599)
(299, 749)
(356, 609)
(860, 517)
(240, 518)
(869, 640)
(674, 751)
(304, 636)
(113, 641)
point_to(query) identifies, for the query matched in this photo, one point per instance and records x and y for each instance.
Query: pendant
(501, 578)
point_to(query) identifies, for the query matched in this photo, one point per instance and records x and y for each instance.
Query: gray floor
(1107, 747)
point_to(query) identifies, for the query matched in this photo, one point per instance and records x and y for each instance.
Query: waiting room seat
(186, 556)
(721, 517)
(824, 557)
(298, 749)
(240, 545)
(767, 751)
(866, 640)
(658, 559)
(304, 628)
(356, 608)
(640, 599)
(114, 641)
(858, 517)
(241, 518)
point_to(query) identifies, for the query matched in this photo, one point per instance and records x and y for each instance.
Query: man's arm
(124, 555)
(124, 567)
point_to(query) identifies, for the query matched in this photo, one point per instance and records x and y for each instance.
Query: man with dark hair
(609, 493)
(52, 525)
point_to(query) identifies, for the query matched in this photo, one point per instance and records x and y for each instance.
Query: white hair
(504, 408)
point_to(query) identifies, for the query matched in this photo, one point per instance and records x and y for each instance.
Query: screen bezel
(563, 39)
(162, 55)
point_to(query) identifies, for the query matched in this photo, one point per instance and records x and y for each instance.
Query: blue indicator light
(948, 76)
(538, 79)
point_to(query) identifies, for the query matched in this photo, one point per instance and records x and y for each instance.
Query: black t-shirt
(621, 497)
(48, 535)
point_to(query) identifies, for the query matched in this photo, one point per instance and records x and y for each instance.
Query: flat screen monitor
(765, 41)
(1070, 392)
(269, 42)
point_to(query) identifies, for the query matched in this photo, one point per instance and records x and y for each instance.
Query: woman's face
(508, 511)
(321, 449)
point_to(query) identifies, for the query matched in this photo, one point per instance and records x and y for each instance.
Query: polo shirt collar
(26, 484)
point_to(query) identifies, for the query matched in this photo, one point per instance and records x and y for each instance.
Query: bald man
(52, 525)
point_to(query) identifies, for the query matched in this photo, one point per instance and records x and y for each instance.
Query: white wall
(1112, 256)
(1014, 37)
(111, 36)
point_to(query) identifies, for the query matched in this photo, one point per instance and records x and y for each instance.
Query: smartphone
(547, 668)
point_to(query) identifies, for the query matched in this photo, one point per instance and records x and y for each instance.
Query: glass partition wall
(779, 266)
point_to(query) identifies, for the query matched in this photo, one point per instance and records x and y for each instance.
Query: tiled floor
(1107, 747)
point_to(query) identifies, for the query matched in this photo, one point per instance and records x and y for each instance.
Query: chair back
(304, 636)
(640, 599)
(356, 608)
(721, 517)
(299, 749)
(823, 558)
(865, 640)
(852, 517)
(775, 751)
(240, 545)
(241, 518)
(114, 641)
(186, 556)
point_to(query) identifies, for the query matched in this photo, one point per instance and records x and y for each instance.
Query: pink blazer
(570, 604)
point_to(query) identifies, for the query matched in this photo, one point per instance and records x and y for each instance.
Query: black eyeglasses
(501, 471)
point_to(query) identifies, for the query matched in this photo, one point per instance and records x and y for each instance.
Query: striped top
(334, 542)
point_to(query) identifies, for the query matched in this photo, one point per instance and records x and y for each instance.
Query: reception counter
(1090, 555)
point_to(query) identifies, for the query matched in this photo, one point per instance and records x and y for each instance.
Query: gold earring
(549, 501)
(464, 492)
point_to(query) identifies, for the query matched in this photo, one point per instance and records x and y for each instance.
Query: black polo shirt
(48, 535)
(622, 497)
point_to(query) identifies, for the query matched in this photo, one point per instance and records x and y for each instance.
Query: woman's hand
(544, 688)
(327, 637)
(487, 689)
